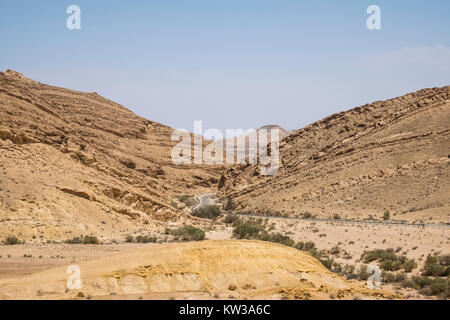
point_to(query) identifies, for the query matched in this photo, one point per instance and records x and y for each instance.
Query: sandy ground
(415, 242)
(352, 239)
(213, 269)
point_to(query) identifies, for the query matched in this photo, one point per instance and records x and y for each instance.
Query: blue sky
(232, 64)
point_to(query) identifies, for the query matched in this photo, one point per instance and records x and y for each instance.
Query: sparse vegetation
(386, 215)
(389, 260)
(140, 239)
(308, 215)
(277, 238)
(362, 273)
(12, 240)
(248, 230)
(188, 233)
(83, 240)
(232, 219)
(208, 212)
(438, 266)
(187, 199)
(390, 277)
(429, 286)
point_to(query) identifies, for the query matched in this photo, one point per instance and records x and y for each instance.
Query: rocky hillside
(76, 163)
(387, 156)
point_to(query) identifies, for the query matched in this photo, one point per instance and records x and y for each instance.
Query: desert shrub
(327, 262)
(390, 277)
(362, 273)
(306, 246)
(389, 260)
(189, 233)
(335, 250)
(247, 230)
(75, 240)
(255, 230)
(336, 216)
(348, 270)
(128, 163)
(232, 219)
(187, 199)
(83, 240)
(440, 286)
(437, 266)
(307, 215)
(12, 240)
(91, 240)
(430, 286)
(145, 239)
(409, 265)
(277, 238)
(309, 245)
(129, 238)
(208, 212)
(299, 245)
(386, 215)
(337, 268)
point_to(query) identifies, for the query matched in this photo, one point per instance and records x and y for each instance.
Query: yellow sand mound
(244, 269)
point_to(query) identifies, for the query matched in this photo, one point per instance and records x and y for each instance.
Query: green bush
(247, 230)
(437, 266)
(277, 238)
(189, 233)
(430, 286)
(362, 273)
(83, 240)
(307, 215)
(390, 277)
(208, 212)
(440, 286)
(232, 219)
(12, 240)
(327, 262)
(309, 245)
(145, 239)
(389, 260)
(91, 240)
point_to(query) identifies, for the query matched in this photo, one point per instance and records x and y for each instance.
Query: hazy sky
(231, 63)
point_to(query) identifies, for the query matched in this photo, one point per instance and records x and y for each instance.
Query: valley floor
(351, 240)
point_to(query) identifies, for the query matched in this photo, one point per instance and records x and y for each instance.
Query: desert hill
(247, 145)
(74, 163)
(239, 269)
(387, 156)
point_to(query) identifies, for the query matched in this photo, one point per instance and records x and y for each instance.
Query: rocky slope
(75, 163)
(387, 156)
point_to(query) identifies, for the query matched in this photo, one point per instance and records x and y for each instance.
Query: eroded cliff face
(75, 163)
